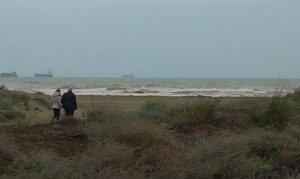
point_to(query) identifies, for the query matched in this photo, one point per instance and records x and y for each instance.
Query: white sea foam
(222, 92)
(152, 87)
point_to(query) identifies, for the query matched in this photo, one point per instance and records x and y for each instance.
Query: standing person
(56, 105)
(69, 103)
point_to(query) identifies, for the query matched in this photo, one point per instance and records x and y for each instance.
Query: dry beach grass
(151, 137)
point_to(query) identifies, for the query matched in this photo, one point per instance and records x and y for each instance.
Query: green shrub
(277, 112)
(204, 110)
(256, 114)
(280, 148)
(269, 146)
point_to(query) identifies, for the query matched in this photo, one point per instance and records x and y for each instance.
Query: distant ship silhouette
(13, 74)
(131, 76)
(49, 74)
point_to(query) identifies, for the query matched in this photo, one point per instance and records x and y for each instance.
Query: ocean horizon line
(137, 78)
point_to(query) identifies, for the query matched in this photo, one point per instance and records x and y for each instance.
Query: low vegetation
(43, 102)
(155, 109)
(275, 112)
(202, 111)
(202, 138)
(8, 153)
(9, 110)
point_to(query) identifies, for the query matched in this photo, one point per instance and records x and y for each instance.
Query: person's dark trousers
(69, 113)
(56, 114)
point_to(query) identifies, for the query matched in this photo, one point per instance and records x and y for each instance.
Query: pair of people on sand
(67, 101)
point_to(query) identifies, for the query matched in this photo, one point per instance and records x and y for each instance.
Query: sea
(155, 86)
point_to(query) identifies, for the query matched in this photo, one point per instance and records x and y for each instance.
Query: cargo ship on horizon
(131, 76)
(13, 74)
(49, 74)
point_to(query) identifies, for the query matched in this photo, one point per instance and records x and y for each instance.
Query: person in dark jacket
(69, 103)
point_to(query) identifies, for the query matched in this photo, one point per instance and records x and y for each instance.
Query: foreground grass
(203, 138)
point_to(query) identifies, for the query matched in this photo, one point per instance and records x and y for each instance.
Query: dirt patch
(64, 138)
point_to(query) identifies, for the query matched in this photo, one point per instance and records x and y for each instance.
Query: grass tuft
(200, 111)
(156, 109)
(277, 113)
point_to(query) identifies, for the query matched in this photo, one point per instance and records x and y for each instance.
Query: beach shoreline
(155, 87)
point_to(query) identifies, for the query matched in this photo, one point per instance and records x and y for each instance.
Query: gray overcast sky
(152, 38)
